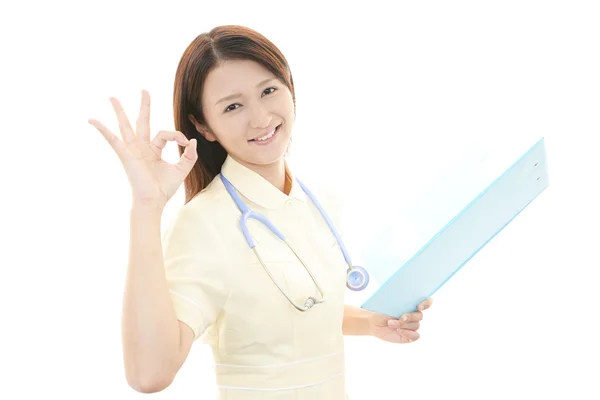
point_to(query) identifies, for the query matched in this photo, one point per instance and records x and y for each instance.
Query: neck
(275, 174)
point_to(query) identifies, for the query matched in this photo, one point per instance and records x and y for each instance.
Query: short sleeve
(195, 268)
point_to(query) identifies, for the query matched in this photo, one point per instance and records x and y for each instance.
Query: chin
(273, 153)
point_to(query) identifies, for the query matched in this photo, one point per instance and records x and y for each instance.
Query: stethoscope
(357, 278)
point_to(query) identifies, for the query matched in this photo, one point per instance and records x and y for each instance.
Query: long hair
(204, 53)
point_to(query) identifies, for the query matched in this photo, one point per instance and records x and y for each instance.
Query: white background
(402, 86)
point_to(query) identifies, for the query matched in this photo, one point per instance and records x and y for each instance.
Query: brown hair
(204, 53)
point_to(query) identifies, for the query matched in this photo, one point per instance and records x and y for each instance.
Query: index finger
(142, 127)
(111, 138)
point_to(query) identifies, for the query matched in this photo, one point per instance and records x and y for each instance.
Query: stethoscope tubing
(247, 213)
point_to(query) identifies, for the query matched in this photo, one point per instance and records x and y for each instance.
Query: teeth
(267, 136)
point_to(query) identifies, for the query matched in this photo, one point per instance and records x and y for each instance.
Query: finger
(425, 304)
(408, 335)
(395, 323)
(411, 326)
(163, 137)
(124, 125)
(188, 158)
(142, 126)
(111, 138)
(412, 317)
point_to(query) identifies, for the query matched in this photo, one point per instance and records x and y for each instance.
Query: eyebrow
(235, 95)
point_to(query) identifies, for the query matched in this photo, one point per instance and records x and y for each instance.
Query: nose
(260, 117)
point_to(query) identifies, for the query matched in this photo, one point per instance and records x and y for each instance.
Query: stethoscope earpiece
(357, 278)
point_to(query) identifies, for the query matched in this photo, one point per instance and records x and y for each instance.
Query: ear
(202, 129)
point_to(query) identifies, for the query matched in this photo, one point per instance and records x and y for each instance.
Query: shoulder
(206, 204)
(328, 193)
(198, 218)
(211, 196)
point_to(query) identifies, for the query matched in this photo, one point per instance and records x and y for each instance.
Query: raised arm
(155, 344)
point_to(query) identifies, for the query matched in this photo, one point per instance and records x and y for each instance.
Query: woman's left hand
(401, 330)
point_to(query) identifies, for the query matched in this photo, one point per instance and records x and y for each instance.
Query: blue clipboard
(464, 236)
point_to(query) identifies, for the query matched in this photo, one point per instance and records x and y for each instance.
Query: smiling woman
(269, 301)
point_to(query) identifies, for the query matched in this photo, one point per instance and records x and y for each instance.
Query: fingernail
(393, 323)
(404, 318)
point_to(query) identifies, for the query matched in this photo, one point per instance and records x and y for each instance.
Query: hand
(153, 181)
(401, 330)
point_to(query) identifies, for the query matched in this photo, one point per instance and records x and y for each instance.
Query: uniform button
(289, 203)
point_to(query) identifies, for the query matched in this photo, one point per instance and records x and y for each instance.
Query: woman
(234, 108)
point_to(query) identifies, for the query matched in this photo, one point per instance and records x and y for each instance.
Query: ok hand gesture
(153, 181)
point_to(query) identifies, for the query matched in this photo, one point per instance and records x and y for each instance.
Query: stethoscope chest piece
(357, 278)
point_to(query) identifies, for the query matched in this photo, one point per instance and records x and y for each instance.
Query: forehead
(234, 76)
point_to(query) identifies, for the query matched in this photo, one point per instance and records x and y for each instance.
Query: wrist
(364, 325)
(357, 321)
(368, 323)
(146, 209)
(154, 206)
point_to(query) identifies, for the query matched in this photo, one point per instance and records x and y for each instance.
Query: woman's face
(249, 112)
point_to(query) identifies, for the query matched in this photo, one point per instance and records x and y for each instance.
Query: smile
(266, 138)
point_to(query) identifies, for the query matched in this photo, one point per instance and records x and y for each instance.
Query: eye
(270, 90)
(235, 106)
(229, 107)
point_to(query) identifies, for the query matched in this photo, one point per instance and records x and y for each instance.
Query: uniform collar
(256, 188)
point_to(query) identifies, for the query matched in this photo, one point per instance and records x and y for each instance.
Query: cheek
(287, 110)
(230, 131)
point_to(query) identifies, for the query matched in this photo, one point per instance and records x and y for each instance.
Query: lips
(267, 135)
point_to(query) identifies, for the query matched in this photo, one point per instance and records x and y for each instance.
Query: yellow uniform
(263, 347)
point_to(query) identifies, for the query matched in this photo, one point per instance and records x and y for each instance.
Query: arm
(155, 343)
(356, 321)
